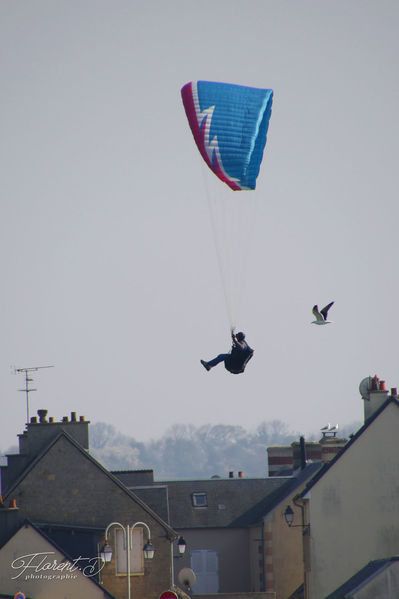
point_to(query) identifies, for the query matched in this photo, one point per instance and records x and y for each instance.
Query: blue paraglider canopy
(229, 124)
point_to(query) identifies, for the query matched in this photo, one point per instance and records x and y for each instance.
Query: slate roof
(352, 440)
(74, 541)
(227, 500)
(61, 550)
(255, 514)
(131, 478)
(231, 502)
(171, 533)
(359, 579)
(156, 497)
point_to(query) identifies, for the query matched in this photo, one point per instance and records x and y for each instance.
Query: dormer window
(199, 500)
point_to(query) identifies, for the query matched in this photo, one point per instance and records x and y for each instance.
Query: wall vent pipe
(303, 452)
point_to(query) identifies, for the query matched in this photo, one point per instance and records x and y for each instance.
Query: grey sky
(108, 264)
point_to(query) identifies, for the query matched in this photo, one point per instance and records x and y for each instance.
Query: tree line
(186, 451)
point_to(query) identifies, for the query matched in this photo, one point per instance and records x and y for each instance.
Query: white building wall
(354, 507)
(384, 585)
(38, 579)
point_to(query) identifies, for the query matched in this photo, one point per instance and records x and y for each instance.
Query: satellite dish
(187, 578)
(364, 387)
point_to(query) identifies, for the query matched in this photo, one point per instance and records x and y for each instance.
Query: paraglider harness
(238, 358)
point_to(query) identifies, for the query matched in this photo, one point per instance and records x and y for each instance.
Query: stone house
(204, 513)
(236, 535)
(55, 483)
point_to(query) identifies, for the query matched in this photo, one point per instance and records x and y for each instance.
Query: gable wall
(354, 507)
(39, 581)
(65, 487)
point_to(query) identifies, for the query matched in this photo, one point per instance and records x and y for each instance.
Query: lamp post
(148, 549)
(181, 547)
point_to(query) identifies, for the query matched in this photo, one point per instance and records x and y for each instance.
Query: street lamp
(148, 549)
(289, 515)
(181, 547)
(289, 518)
(106, 553)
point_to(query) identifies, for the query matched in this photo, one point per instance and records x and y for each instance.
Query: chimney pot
(240, 475)
(65, 419)
(394, 391)
(231, 474)
(81, 418)
(374, 383)
(73, 416)
(33, 420)
(13, 503)
(51, 419)
(376, 398)
(42, 415)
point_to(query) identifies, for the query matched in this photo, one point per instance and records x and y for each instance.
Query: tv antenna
(28, 380)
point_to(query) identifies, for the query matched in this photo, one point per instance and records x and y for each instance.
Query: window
(136, 552)
(199, 500)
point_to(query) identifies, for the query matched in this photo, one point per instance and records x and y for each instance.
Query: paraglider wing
(229, 124)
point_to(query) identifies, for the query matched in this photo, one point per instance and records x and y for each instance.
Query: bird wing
(316, 313)
(325, 310)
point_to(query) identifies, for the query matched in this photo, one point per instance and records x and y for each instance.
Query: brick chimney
(39, 432)
(279, 458)
(374, 395)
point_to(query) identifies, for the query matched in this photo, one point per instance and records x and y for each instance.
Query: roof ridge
(352, 440)
(87, 454)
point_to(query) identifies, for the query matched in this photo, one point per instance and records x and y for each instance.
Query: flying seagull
(321, 317)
